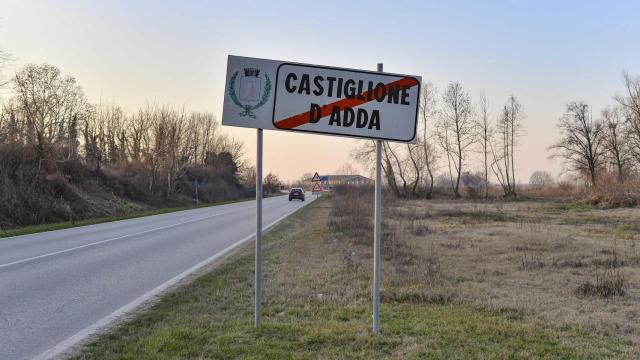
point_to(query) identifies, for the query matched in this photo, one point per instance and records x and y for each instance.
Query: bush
(612, 192)
(352, 212)
(31, 193)
(610, 283)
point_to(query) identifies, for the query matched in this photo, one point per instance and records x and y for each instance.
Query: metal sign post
(377, 235)
(197, 199)
(258, 271)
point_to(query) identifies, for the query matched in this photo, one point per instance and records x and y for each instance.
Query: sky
(130, 53)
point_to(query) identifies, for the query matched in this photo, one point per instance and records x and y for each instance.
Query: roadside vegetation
(460, 280)
(32, 229)
(65, 159)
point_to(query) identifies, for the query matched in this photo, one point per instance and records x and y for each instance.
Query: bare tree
(615, 145)
(271, 184)
(91, 131)
(111, 123)
(428, 113)
(515, 122)
(138, 131)
(582, 145)
(346, 169)
(631, 105)
(12, 125)
(365, 154)
(404, 166)
(509, 128)
(499, 151)
(416, 160)
(540, 179)
(50, 105)
(398, 165)
(485, 134)
(4, 58)
(456, 131)
(248, 177)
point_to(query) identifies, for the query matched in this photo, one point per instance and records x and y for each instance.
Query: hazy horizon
(545, 53)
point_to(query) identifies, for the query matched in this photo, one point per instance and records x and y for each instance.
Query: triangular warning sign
(316, 177)
(317, 187)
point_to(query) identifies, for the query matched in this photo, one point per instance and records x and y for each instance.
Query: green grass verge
(32, 229)
(212, 317)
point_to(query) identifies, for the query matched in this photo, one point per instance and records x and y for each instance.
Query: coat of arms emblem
(251, 91)
(250, 85)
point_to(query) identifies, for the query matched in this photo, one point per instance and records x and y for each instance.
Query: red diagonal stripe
(303, 118)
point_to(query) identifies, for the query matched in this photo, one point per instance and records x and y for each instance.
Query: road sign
(317, 185)
(278, 95)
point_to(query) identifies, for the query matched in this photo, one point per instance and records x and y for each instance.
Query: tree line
(154, 154)
(595, 146)
(457, 136)
(451, 132)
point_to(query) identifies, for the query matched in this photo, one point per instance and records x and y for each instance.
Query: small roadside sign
(316, 177)
(317, 188)
(279, 95)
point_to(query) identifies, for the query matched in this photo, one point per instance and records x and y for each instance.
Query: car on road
(296, 193)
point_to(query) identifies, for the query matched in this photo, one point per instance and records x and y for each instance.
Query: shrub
(612, 192)
(607, 284)
(352, 213)
(72, 189)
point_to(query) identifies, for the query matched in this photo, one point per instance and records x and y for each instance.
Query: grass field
(456, 284)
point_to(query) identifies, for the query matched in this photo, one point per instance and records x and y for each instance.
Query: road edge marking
(103, 324)
(64, 251)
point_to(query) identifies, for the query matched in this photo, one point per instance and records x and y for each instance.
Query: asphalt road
(59, 286)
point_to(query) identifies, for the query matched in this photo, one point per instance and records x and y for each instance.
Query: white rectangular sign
(278, 95)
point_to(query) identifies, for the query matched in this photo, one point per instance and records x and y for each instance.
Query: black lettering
(375, 120)
(339, 94)
(405, 95)
(287, 82)
(394, 94)
(370, 91)
(317, 81)
(330, 79)
(363, 117)
(335, 116)
(380, 92)
(360, 96)
(314, 113)
(350, 89)
(349, 117)
(304, 85)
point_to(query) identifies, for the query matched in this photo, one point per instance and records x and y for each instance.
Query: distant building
(335, 180)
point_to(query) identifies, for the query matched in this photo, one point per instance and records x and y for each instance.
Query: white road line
(103, 323)
(115, 238)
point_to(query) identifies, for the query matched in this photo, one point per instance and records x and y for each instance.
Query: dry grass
(609, 283)
(570, 265)
(317, 296)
